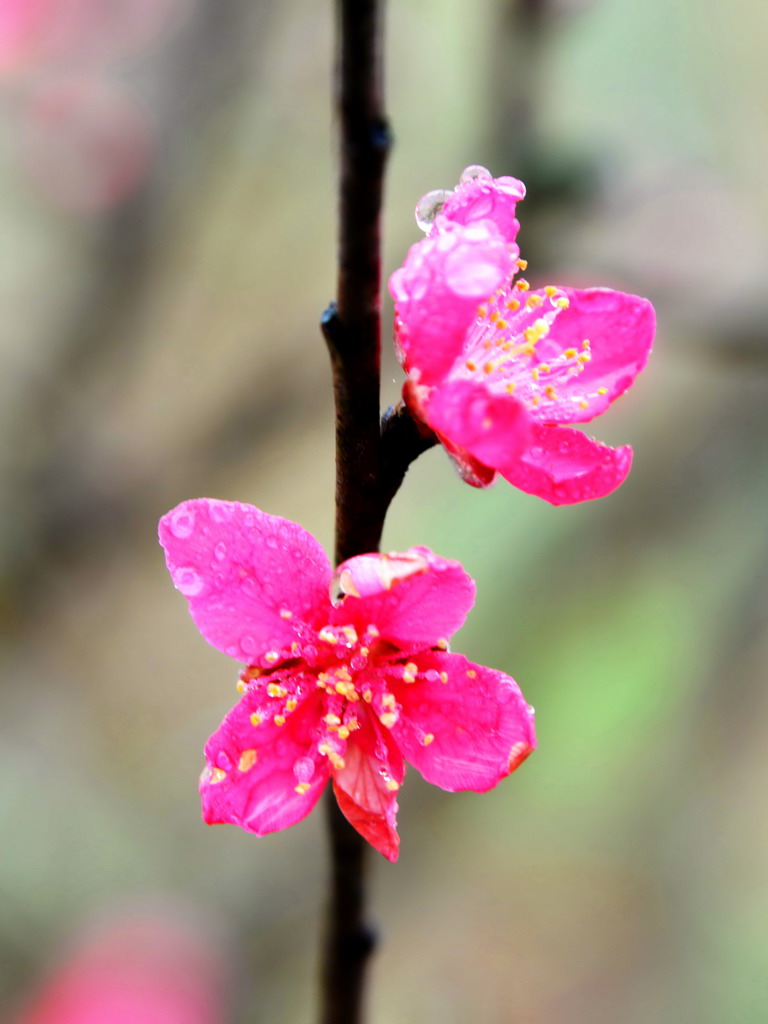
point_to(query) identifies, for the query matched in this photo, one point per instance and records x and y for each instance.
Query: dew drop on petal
(430, 205)
(303, 769)
(248, 644)
(182, 523)
(223, 760)
(188, 581)
(474, 171)
(537, 451)
(220, 551)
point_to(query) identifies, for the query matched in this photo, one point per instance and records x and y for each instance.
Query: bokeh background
(167, 193)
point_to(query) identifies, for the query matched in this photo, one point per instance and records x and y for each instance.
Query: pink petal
(239, 568)
(494, 428)
(366, 800)
(564, 466)
(620, 329)
(482, 198)
(414, 599)
(470, 469)
(468, 732)
(253, 770)
(437, 292)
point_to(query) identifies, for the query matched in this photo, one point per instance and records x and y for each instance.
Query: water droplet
(182, 523)
(248, 644)
(537, 451)
(220, 551)
(303, 769)
(272, 542)
(430, 205)
(223, 760)
(188, 581)
(565, 447)
(473, 172)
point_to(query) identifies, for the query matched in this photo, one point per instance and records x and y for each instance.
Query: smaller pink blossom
(347, 676)
(500, 371)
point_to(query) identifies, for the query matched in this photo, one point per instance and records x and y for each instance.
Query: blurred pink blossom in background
(137, 968)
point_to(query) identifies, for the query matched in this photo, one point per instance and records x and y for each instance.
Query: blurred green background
(159, 342)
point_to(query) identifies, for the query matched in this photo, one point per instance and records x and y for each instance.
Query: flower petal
(253, 770)
(366, 788)
(564, 466)
(495, 429)
(620, 330)
(485, 198)
(239, 568)
(414, 599)
(437, 292)
(468, 732)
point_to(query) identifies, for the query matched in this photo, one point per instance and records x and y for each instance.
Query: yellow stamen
(247, 760)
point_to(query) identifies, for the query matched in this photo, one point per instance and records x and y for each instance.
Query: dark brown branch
(352, 331)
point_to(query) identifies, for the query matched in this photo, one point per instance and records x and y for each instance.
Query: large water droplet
(430, 205)
(473, 172)
(182, 523)
(188, 581)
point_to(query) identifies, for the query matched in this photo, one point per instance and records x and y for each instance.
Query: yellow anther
(535, 373)
(563, 302)
(550, 392)
(570, 353)
(585, 357)
(327, 636)
(302, 788)
(291, 704)
(489, 367)
(276, 690)
(350, 633)
(392, 786)
(365, 651)
(586, 343)
(256, 719)
(533, 301)
(388, 719)
(522, 264)
(510, 389)
(550, 290)
(443, 677)
(545, 367)
(512, 304)
(470, 365)
(584, 404)
(285, 614)
(279, 719)
(427, 739)
(388, 701)
(442, 644)
(332, 720)
(372, 630)
(352, 724)
(247, 760)
(367, 696)
(216, 776)
(410, 671)
(241, 686)
(536, 399)
(271, 657)
(471, 673)
(501, 324)
(494, 316)
(482, 311)
(522, 285)
(602, 391)
(295, 647)
(343, 732)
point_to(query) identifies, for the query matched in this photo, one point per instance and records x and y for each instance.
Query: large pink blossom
(344, 687)
(500, 371)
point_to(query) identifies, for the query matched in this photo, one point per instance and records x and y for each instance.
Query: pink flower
(498, 370)
(341, 688)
